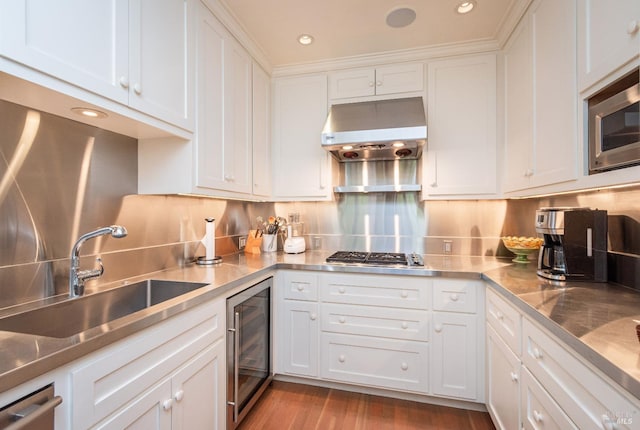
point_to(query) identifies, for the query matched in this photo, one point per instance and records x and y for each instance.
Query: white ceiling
(347, 28)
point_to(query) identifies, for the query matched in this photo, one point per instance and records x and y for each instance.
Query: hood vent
(376, 130)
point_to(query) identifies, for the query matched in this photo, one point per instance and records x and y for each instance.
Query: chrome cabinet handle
(24, 419)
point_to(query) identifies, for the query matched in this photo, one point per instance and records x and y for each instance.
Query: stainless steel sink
(74, 316)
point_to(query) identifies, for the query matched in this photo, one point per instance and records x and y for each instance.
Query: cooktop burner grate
(375, 258)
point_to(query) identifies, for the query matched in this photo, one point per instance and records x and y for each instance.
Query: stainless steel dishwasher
(32, 412)
(248, 349)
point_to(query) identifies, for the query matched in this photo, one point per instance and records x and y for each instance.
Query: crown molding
(510, 21)
(389, 57)
(237, 30)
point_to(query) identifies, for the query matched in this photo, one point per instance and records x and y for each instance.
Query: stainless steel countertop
(591, 318)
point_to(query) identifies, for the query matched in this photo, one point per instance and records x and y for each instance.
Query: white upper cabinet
(608, 38)
(224, 109)
(460, 158)
(218, 161)
(541, 98)
(301, 168)
(261, 132)
(117, 49)
(383, 80)
(161, 58)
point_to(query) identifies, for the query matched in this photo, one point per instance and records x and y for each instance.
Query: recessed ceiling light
(305, 39)
(465, 7)
(88, 112)
(401, 17)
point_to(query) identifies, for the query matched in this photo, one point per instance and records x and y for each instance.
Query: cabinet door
(539, 410)
(554, 77)
(237, 151)
(301, 168)
(461, 156)
(455, 361)
(503, 383)
(518, 93)
(299, 331)
(352, 83)
(199, 392)
(261, 133)
(161, 75)
(399, 78)
(608, 37)
(81, 42)
(151, 411)
(224, 109)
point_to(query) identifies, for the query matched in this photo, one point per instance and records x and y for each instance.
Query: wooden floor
(301, 407)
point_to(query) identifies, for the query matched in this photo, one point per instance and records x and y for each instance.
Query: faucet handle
(101, 269)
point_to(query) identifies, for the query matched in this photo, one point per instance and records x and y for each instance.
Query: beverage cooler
(248, 349)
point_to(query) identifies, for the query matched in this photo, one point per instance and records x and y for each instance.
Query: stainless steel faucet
(77, 277)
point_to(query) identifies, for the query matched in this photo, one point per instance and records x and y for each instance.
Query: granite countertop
(593, 319)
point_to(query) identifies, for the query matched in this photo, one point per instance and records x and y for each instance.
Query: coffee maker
(575, 244)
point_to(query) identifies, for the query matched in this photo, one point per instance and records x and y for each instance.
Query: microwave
(614, 128)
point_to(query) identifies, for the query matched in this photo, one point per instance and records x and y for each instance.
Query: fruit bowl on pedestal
(522, 247)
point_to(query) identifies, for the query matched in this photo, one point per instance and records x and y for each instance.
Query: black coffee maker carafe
(575, 244)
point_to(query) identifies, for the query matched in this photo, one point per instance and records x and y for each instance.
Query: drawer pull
(537, 416)
(514, 376)
(342, 290)
(179, 395)
(633, 27)
(404, 294)
(454, 297)
(499, 315)
(166, 405)
(438, 328)
(405, 325)
(342, 358)
(342, 320)
(313, 316)
(537, 354)
(300, 287)
(404, 366)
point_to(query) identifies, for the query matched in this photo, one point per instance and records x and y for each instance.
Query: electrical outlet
(242, 242)
(317, 243)
(447, 245)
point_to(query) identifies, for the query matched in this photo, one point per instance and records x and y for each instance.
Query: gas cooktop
(376, 258)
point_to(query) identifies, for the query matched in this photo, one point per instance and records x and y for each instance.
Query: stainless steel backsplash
(61, 178)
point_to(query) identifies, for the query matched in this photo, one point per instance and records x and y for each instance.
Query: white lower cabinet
(170, 376)
(455, 355)
(299, 337)
(539, 410)
(297, 325)
(503, 383)
(190, 399)
(367, 360)
(546, 386)
(379, 331)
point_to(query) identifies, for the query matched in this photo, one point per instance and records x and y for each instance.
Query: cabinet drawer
(456, 295)
(506, 321)
(389, 291)
(589, 400)
(113, 377)
(392, 323)
(379, 362)
(539, 410)
(300, 285)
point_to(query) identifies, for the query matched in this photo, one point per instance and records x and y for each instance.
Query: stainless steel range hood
(376, 130)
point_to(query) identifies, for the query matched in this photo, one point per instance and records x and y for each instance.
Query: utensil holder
(269, 242)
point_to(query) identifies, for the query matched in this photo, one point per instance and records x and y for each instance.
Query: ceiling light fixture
(305, 39)
(88, 112)
(401, 17)
(465, 7)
